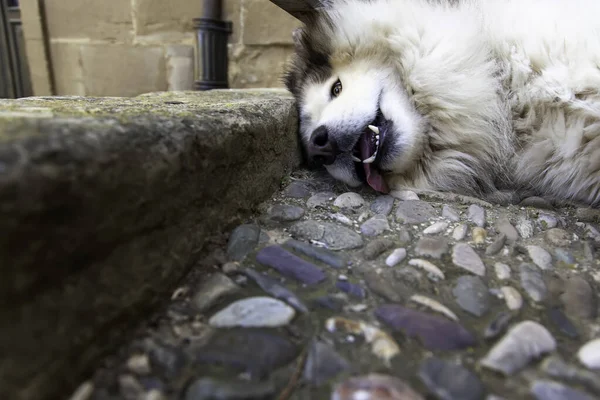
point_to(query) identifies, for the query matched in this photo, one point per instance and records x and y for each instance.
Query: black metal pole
(213, 9)
(212, 37)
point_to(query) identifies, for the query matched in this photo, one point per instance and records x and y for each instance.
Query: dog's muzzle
(322, 148)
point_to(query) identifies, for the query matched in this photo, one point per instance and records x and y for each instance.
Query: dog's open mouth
(368, 152)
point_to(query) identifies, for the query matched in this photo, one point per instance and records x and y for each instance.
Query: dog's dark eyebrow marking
(309, 63)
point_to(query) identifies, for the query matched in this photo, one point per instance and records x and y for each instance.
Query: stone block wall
(261, 43)
(129, 47)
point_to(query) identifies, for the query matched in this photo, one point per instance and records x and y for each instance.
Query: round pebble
(465, 257)
(503, 225)
(272, 287)
(536, 202)
(497, 325)
(431, 268)
(214, 288)
(383, 285)
(523, 344)
(562, 322)
(476, 214)
(589, 354)
(404, 195)
(514, 300)
(450, 213)
(588, 251)
(547, 221)
(323, 363)
(459, 232)
(375, 226)
(349, 200)
(230, 267)
(532, 282)
(550, 390)
(557, 237)
(83, 391)
(320, 200)
(479, 235)
(434, 247)
(525, 227)
(333, 235)
(382, 205)
(472, 295)
(139, 364)
(434, 332)
(450, 380)
(397, 256)
(290, 265)
(376, 247)
(414, 212)
(579, 298)
(254, 312)
(564, 255)
(592, 233)
(437, 227)
(540, 257)
(434, 305)
(588, 214)
(496, 245)
(502, 271)
(285, 213)
(242, 241)
(342, 218)
(298, 190)
(130, 387)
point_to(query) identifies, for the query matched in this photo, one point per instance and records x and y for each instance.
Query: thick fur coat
(480, 97)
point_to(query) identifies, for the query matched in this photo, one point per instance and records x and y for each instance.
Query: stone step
(105, 203)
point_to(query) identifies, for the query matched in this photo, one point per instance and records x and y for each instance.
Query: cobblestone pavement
(346, 294)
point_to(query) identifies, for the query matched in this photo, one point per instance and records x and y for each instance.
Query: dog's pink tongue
(374, 178)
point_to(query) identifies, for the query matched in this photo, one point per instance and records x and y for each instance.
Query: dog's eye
(336, 89)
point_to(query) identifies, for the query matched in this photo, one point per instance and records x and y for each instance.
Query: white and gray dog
(478, 97)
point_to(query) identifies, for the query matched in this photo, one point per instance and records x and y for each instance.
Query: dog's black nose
(322, 148)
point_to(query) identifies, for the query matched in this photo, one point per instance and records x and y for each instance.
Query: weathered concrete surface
(106, 202)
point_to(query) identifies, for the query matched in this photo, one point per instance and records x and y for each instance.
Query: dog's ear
(297, 37)
(290, 80)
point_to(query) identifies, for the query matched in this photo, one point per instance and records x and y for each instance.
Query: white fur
(507, 88)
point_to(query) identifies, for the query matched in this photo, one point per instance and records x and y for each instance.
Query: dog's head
(355, 116)
(408, 90)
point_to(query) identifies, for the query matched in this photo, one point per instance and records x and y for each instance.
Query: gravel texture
(383, 295)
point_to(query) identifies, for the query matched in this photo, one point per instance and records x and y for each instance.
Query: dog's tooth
(377, 137)
(377, 142)
(374, 129)
(370, 159)
(354, 158)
